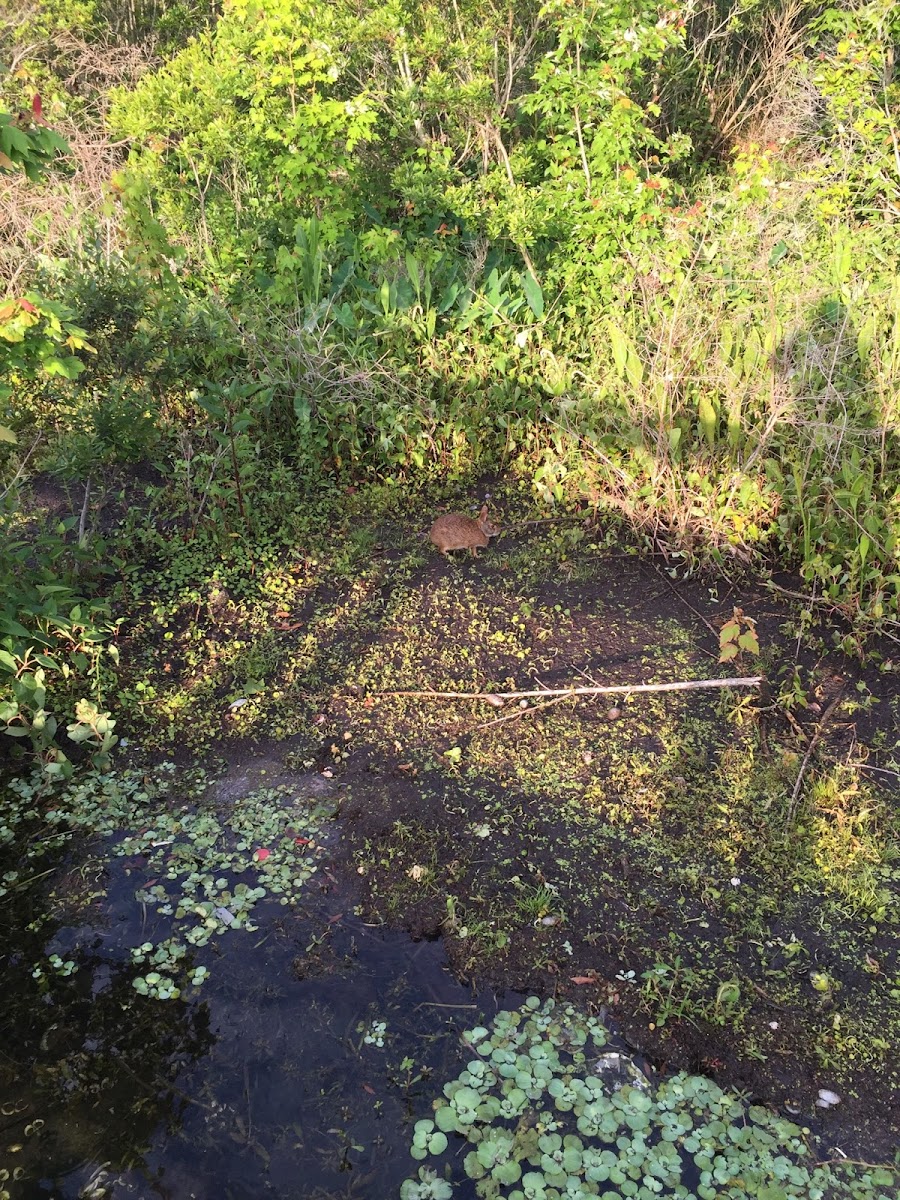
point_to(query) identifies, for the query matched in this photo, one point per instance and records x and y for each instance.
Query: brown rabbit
(454, 531)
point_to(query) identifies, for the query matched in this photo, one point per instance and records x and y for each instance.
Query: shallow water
(297, 1070)
(259, 1085)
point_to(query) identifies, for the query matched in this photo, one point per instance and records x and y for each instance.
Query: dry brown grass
(69, 211)
(749, 80)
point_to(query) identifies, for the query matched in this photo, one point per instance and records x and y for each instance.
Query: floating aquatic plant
(373, 1033)
(198, 854)
(427, 1186)
(549, 1115)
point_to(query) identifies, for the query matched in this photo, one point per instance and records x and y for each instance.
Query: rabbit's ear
(483, 514)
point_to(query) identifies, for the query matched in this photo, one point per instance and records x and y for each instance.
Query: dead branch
(619, 689)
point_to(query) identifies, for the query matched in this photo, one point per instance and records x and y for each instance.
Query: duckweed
(207, 866)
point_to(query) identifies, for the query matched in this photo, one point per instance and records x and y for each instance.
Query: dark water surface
(260, 1084)
(297, 1069)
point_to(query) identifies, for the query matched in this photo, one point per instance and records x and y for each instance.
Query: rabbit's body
(454, 531)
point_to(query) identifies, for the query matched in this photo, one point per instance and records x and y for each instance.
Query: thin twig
(855, 1162)
(619, 689)
(84, 511)
(822, 601)
(687, 603)
(864, 766)
(524, 712)
(816, 738)
(768, 998)
(21, 469)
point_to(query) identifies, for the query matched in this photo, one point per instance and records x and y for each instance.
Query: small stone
(827, 1098)
(613, 714)
(329, 774)
(735, 881)
(549, 920)
(773, 1024)
(224, 916)
(523, 704)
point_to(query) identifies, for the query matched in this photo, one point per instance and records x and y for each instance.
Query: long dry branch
(619, 689)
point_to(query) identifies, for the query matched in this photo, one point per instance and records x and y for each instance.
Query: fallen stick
(816, 738)
(619, 689)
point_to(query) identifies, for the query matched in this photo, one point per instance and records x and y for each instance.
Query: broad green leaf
(412, 270)
(748, 641)
(67, 367)
(865, 338)
(13, 139)
(9, 625)
(533, 294)
(708, 419)
(621, 347)
(752, 353)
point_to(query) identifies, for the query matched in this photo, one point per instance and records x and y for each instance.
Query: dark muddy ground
(654, 854)
(644, 853)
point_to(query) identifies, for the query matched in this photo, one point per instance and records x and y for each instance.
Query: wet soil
(717, 870)
(662, 830)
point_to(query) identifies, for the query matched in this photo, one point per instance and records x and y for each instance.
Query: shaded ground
(654, 854)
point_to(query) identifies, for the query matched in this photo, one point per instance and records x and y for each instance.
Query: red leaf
(368, 1089)
(261, 855)
(27, 305)
(36, 107)
(583, 978)
(302, 841)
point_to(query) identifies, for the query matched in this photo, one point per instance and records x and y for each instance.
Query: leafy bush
(51, 637)
(596, 246)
